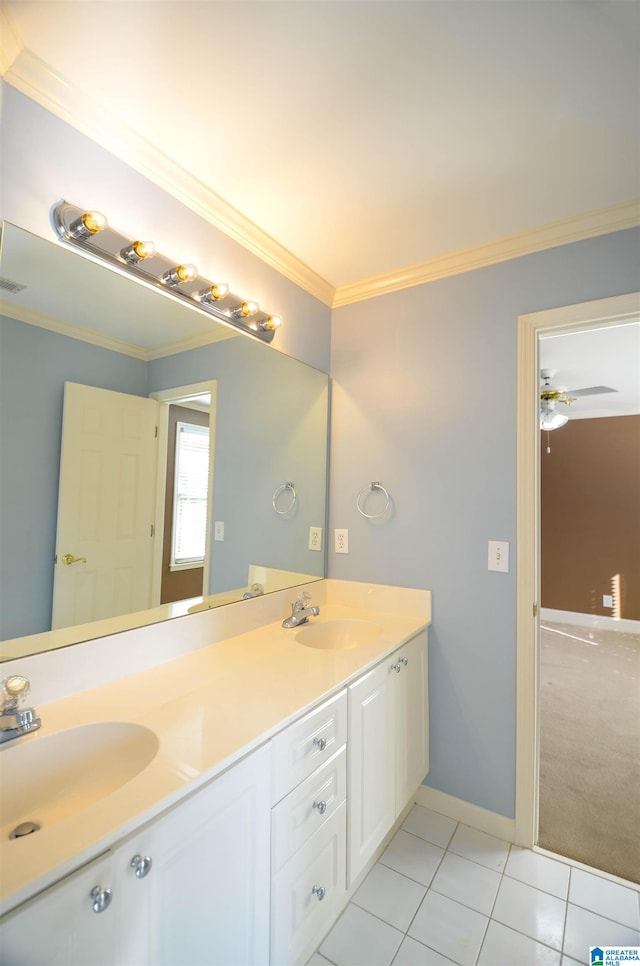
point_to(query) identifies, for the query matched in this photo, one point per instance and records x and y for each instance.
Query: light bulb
(271, 323)
(214, 293)
(181, 273)
(248, 308)
(90, 223)
(137, 251)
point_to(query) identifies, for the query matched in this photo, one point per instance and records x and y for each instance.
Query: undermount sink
(338, 635)
(51, 777)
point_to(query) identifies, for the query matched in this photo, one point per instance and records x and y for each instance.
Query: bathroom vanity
(283, 759)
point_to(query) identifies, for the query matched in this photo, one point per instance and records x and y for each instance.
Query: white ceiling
(608, 356)
(366, 137)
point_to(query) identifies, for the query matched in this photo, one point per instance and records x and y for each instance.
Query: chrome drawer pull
(396, 667)
(404, 660)
(142, 865)
(321, 743)
(319, 891)
(101, 898)
(321, 806)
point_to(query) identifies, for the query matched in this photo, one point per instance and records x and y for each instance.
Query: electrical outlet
(315, 538)
(607, 600)
(499, 556)
(341, 541)
(218, 530)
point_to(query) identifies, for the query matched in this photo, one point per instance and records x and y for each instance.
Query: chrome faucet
(255, 590)
(301, 611)
(15, 722)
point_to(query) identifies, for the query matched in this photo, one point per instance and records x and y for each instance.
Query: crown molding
(32, 77)
(10, 42)
(563, 232)
(53, 324)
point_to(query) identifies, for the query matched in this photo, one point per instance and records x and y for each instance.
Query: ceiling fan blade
(590, 391)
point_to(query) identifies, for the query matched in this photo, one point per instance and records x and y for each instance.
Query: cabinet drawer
(307, 744)
(300, 917)
(304, 810)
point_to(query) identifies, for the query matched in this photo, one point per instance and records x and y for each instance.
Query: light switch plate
(607, 600)
(218, 530)
(499, 556)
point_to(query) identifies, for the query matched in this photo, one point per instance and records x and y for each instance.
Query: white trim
(10, 42)
(467, 813)
(603, 312)
(562, 232)
(597, 621)
(52, 324)
(37, 80)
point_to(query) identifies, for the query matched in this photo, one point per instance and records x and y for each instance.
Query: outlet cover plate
(315, 538)
(341, 541)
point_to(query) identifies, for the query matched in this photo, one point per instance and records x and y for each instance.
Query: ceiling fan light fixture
(549, 418)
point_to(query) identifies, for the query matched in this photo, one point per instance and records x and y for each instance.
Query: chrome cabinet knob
(319, 891)
(321, 806)
(404, 660)
(321, 743)
(142, 865)
(396, 667)
(101, 898)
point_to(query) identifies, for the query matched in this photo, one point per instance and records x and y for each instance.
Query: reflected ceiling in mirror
(71, 320)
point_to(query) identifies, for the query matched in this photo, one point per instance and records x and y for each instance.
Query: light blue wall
(271, 427)
(424, 400)
(34, 365)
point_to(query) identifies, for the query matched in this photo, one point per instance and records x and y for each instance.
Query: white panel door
(205, 898)
(60, 927)
(372, 785)
(106, 505)
(412, 719)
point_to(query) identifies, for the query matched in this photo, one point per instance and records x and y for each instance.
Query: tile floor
(446, 893)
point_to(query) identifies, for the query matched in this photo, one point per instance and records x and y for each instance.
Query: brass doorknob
(70, 559)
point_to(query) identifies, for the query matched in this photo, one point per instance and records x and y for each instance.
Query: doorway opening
(186, 450)
(532, 328)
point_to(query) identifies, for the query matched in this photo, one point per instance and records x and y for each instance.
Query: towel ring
(278, 492)
(369, 489)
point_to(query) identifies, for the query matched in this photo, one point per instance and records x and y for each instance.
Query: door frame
(167, 397)
(568, 318)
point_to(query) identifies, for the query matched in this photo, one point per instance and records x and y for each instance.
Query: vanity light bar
(90, 231)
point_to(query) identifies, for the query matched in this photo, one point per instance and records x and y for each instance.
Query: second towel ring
(369, 489)
(277, 493)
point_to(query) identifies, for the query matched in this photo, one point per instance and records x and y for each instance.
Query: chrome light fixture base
(117, 250)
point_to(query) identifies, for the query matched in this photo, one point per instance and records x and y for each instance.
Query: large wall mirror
(219, 501)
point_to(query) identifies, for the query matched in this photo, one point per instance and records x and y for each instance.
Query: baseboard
(598, 621)
(467, 813)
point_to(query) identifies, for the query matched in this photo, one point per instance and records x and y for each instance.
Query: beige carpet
(590, 747)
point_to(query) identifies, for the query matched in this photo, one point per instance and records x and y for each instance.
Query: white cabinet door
(60, 928)
(388, 746)
(205, 898)
(412, 719)
(371, 788)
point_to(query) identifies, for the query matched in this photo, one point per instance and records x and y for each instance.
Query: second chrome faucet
(301, 611)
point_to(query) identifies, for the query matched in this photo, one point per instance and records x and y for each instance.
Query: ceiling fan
(550, 395)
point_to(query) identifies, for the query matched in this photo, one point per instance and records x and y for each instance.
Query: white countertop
(208, 709)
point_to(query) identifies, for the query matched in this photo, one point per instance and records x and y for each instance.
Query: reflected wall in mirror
(75, 321)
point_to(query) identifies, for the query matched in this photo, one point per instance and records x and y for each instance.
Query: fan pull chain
(548, 447)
